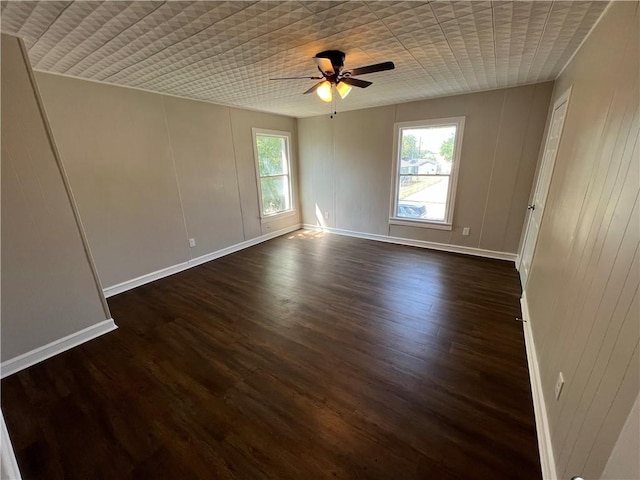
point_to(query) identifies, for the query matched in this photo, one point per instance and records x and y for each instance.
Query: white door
(536, 208)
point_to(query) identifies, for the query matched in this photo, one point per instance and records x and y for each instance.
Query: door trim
(564, 98)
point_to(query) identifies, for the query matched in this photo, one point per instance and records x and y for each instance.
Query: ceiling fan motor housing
(336, 57)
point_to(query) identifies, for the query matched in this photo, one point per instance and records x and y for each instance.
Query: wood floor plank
(308, 356)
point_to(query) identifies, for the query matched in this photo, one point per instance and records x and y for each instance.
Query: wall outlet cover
(192, 242)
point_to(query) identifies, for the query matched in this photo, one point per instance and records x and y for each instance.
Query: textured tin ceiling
(225, 52)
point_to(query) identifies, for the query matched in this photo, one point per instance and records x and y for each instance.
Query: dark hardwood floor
(305, 357)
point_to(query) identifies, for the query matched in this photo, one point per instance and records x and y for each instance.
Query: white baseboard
(445, 247)
(8, 464)
(39, 354)
(165, 272)
(547, 461)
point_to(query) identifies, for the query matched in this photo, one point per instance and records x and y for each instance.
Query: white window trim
(276, 133)
(447, 224)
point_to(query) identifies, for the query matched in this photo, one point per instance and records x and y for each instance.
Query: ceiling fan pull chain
(332, 107)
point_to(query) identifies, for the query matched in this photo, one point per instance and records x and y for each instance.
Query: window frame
(447, 223)
(255, 132)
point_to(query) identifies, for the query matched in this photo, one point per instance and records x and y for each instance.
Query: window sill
(278, 216)
(420, 224)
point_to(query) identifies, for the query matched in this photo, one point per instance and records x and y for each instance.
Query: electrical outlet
(465, 231)
(192, 242)
(559, 384)
(326, 215)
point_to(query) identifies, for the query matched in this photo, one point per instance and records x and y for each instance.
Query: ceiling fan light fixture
(343, 89)
(324, 91)
(330, 63)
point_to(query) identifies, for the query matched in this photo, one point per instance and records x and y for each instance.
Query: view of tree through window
(424, 173)
(273, 168)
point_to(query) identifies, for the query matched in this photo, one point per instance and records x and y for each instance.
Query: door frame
(564, 98)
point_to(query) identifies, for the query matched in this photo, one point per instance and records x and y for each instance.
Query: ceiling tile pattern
(226, 51)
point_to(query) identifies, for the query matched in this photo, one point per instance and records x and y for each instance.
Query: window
(426, 171)
(273, 165)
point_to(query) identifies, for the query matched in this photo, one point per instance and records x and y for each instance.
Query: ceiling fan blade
(324, 64)
(296, 78)
(356, 82)
(312, 89)
(378, 67)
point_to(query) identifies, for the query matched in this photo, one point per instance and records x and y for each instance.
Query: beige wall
(624, 461)
(49, 289)
(583, 283)
(346, 165)
(241, 122)
(151, 171)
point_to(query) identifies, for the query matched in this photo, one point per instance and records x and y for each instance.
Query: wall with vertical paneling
(583, 284)
(624, 461)
(150, 171)
(49, 287)
(346, 166)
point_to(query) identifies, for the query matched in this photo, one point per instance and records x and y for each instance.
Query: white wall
(346, 165)
(585, 274)
(150, 171)
(49, 289)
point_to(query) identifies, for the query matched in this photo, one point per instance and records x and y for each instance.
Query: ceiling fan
(331, 65)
